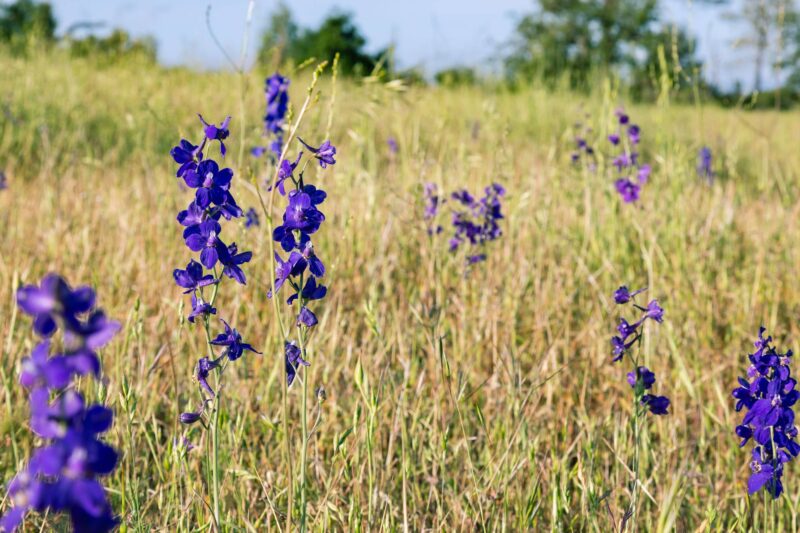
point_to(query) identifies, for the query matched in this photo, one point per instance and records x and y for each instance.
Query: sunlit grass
(92, 194)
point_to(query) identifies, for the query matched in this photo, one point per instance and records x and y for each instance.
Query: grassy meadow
(506, 416)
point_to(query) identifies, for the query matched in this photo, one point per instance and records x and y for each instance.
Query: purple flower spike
(325, 153)
(768, 394)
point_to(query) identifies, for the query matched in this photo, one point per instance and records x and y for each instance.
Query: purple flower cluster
(302, 268)
(251, 219)
(277, 96)
(641, 379)
(433, 201)
(632, 174)
(768, 394)
(477, 221)
(704, 169)
(212, 203)
(3, 181)
(582, 148)
(63, 474)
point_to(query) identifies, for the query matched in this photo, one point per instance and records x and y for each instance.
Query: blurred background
(727, 49)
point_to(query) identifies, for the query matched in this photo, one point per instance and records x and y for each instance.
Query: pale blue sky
(429, 33)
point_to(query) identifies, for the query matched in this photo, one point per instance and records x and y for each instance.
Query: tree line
(561, 43)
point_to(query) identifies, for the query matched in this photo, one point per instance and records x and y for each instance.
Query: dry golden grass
(525, 337)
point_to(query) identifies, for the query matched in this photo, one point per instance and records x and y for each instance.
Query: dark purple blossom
(294, 360)
(251, 218)
(704, 165)
(306, 317)
(293, 266)
(311, 291)
(200, 308)
(231, 260)
(628, 190)
(192, 278)
(285, 172)
(217, 133)
(623, 294)
(204, 238)
(325, 153)
(51, 300)
(432, 204)
(479, 222)
(657, 405)
(643, 376)
(186, 155)
(232, 340)
(201, 372)
(768, 394)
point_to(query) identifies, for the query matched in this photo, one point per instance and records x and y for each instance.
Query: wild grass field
(506, 416)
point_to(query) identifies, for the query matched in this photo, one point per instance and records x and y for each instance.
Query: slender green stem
(215, 481)
(303, 414)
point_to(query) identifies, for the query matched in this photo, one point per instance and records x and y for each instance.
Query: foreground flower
(62, 476)
(768, 394)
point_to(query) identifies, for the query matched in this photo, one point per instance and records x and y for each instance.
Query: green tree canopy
(574, 37)
(26, 21)
(337, 33)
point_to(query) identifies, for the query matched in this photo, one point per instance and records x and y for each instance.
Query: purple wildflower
(294, 359)
(232, 340)
(217, 133)
(768, 394)
(325, 153)
(251, 218)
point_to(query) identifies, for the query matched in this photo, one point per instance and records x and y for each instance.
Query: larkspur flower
(623, 295)
(294, 359)
(186, 155)
(306, 317)
(768, 394)
(643, 376)
(704, 166)
(315, 264)
(204, 238)
(478, 223)
(657, 405)
(232, 340)
(189, 417)
(52, 299)
(311, 291)
(231, 260)
(324, 154)
(217, 133)
(192, 278)
(293, 266)
(392, 143)
(631, 172)
(285, 171)
(629, 334)
(3, 181)
(201, 372)
(432, 204)
(212, 184)
(62, 475)
(251, 219)
(200, 308)
(628, 190)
